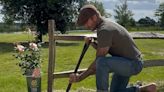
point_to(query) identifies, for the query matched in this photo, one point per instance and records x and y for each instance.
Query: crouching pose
(124, 59)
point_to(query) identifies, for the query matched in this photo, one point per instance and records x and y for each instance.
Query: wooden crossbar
(147, 63)
(70, 37)
(81, 37)
(152, 63)
(148, 37)
(66, 74)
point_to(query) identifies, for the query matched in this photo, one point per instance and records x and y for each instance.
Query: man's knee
(101, 62)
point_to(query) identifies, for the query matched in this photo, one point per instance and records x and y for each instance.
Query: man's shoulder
(108, 25)
(105, 32)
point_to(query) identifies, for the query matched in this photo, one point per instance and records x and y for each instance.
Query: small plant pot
(33, 84)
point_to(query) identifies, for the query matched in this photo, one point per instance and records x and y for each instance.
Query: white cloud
(133, 2)
(138, 14)
(109, 11)
(143, 13)
(140, 8)
(110, 0)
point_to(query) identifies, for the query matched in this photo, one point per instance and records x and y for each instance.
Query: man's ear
(94, 17)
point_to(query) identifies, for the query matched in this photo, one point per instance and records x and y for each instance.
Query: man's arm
(92, 68)
(94, 45)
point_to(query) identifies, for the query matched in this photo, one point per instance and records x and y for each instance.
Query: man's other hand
(74, 78)
(88, 40)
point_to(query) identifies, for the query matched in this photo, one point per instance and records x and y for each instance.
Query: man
(124, 60)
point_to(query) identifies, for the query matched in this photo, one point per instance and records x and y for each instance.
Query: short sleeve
(104, 38)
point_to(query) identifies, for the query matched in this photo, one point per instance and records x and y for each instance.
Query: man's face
(90, 24)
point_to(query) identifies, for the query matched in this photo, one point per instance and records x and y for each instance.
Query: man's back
(118, 39)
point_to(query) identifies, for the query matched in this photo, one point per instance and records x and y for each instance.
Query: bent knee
(100, 61)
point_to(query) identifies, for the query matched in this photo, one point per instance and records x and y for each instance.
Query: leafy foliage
(160, 13)
(100, 7)
(123, 15)
(38, 12)
(29, 57)
(147, 21)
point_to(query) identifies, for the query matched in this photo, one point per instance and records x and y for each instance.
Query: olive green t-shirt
(117, 38)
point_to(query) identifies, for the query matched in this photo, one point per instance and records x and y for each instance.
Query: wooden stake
(52, 45)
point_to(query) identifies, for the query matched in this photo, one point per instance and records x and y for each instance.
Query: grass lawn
(67, 55)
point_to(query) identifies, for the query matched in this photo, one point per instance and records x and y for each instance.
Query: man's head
(88, 16)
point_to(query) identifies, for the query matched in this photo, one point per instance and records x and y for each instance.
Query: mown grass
(67, 54)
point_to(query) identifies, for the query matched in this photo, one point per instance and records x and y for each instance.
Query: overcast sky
(140, 8)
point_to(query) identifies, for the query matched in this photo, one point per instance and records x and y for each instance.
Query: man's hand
(88, 40)
(91, 40)
(74, 78)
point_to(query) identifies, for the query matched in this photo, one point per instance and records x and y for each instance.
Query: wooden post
(51, 63)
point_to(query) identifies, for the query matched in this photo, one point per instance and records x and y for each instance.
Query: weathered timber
(152, 63)
(135, 35)
(147, 63)
(51, 62)
(66, 74)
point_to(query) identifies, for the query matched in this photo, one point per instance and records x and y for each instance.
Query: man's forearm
(94, 45)
(89, 71)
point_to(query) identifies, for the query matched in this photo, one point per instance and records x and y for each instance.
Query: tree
(100, 7)
(38, 12)
(123, 15)
(160, 14)
(132, 22)
(147, 21)
(8, 20)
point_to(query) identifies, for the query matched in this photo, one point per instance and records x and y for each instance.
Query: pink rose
(33, 46)
(20, 48)
(36, 73)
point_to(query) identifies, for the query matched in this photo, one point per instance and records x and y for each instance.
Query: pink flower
(36, 73)
(20, 48)
(33, 46)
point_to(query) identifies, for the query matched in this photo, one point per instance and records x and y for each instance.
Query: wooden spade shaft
(85, 47)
